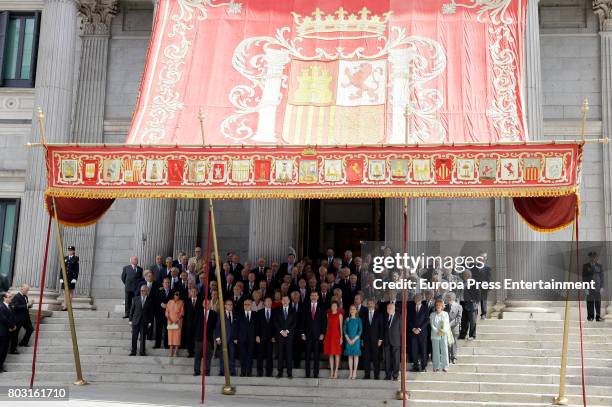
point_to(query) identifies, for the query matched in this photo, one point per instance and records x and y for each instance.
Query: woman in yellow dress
(174, 314)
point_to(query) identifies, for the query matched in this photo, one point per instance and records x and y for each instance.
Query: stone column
(154, 229)
(186, 226)
(603, 8)
(525, 262)
(272, 228)
(89, 121)
(417, 223)
(54, 90)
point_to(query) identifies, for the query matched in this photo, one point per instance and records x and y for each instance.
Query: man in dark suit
(287, 267)
(20, 307)
(418, 320)
(372, 338)
(149, 281)
(392, 341)
(166, 271)
(325, 296)
(260, 269)
(469, 317)
(230, 330)
(141, 316)
(348, 261)
(235, 266)
(285, 322)
(187, 334)
(130, 276)
(157, 270)
(246, 324)
(298, 345)
(264, 338)
(211, 322)
(72, 272)
(593, 271)
(163, 296)
(7, 326)
(313, 327)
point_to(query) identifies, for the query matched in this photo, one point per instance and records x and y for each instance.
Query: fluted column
(54, 89)
(154, 229)
(186, 226)
(272, 228)
(89, 121)
(417, 223)
(603, 8)
(523, 260)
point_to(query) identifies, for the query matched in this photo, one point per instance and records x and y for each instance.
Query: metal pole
(402, 394)
(58, 238)
(68, 299)
(560, 399)
(228, 390)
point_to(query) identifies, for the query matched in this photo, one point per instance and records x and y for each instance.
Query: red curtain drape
(547, 214)
(78, 211)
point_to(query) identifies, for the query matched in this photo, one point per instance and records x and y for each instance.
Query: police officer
(72, 271)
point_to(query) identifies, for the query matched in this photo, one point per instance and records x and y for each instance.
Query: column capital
(603, 9)
(97, 16)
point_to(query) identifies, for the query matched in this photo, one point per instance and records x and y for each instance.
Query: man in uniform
(72, 271)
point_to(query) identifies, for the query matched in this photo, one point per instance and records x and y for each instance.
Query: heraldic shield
(336, 102)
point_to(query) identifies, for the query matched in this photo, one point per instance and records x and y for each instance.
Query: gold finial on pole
(201, 117)
(584, 110)
(228, 389)
(41, 125)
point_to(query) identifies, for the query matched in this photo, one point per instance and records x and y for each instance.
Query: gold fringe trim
(558, 228)
(320, 193)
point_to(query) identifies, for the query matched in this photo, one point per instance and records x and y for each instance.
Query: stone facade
(574, 48)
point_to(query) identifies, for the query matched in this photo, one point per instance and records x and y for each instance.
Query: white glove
(61, 281)
(73, 281)
(130, 322)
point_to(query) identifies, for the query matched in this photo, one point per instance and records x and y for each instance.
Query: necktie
(390, 320)
(249, 316)
(371, 315)
(418, 308)
(267, 315)
(313, 311)
(285, 312)
(143, 300)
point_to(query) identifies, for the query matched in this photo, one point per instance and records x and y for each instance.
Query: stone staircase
(512, 363)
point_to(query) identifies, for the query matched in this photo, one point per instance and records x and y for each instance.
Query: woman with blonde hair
(353, 329)
(441, 336)
(175, 311)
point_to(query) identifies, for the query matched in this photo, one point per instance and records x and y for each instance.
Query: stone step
(455, 373)
(511, 365)
(64, 347)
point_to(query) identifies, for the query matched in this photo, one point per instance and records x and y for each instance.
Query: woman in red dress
(332, 345)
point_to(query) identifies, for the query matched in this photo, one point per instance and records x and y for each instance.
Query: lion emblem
(364, 80)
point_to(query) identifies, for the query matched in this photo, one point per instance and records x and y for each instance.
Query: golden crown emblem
(341, 21)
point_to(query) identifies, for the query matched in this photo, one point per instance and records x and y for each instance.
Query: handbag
(172, 327)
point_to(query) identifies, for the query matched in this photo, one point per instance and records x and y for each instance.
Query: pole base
(560, 401)
(228, 390)
(81, 382)
(400, 395)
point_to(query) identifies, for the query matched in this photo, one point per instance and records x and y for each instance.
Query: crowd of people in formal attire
(295, 311)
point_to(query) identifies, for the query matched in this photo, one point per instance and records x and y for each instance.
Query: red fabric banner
(324, 172)
(547, 214)
(333, 72)
(78, 211)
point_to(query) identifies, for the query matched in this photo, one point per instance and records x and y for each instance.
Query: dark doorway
(339, 223)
